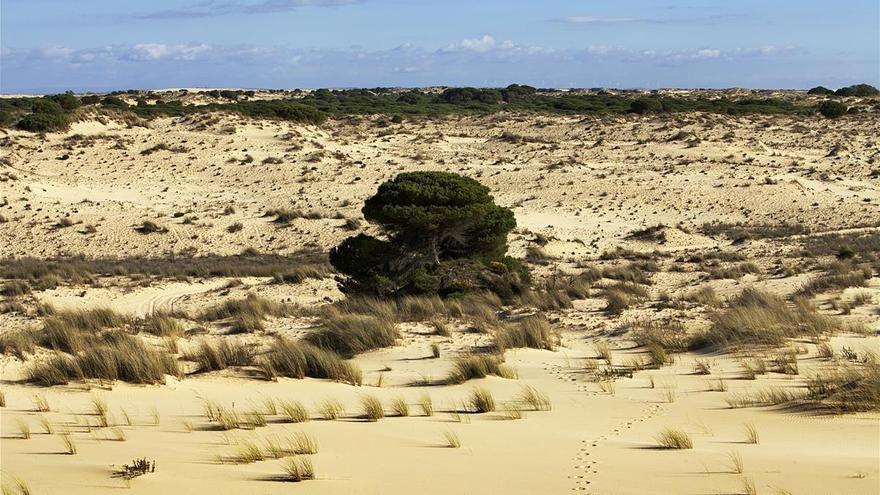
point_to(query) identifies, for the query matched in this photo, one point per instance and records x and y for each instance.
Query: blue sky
(99, 45)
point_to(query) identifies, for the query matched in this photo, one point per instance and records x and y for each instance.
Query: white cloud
(156, 51)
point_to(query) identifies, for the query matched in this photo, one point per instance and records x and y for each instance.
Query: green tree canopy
(429, 220)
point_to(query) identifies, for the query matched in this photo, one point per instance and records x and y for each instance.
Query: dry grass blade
(451, 440)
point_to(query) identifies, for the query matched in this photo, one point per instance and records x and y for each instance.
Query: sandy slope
(584, 183)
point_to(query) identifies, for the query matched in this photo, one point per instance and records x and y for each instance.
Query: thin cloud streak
(215, 8)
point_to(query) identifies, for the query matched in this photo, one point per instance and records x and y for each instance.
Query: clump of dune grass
(851, 388)
(254, 419)
(74, 331)
(162, 325)
(298, 468)
(2, 399)
(608, 386)
(294, 411)
(736, 462)
(705, 296)
(252, 306)
(479, 366)
(427, 404)
(674, 439)
(41, 404)
(757, 318)
(749, 486)
(15, 486)
(99, 409)
(534, 398)
(117, 434)
(117, 357)
(513, 412)
(303, 443)
(331, 409)
(246, 452)
(603, 352)
(221, 355)
(371, 408)
(825, 351)
(534, 332)
(451, 440)
(440, 327)
(771, 396)
(348, 335)
(298, 360)
(399, 407)
(657, 355)
(622, 296)
(19, 343)
(46, 425)
(270, 407)
(481, 400)
(69, 445)
(751, 432)
(24, 428)
(435, 351)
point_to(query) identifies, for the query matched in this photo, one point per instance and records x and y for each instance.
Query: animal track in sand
(584, 460)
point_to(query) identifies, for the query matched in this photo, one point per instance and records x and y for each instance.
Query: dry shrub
(756, 318)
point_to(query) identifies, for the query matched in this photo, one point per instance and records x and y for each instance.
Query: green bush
(46, 115)
(646, 105)
(858, 90)
(441, 229)
(832, 109)
(820, 90)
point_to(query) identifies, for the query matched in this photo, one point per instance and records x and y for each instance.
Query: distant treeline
(52, 113)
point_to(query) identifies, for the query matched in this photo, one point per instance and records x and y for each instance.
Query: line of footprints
(586, 465)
